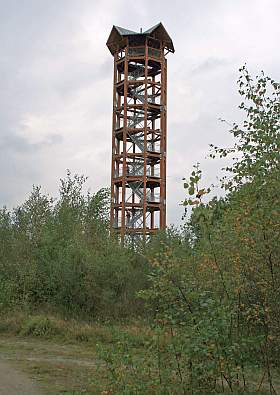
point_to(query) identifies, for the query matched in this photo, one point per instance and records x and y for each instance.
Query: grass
(69, 330)
(62, 354)
(61, 369)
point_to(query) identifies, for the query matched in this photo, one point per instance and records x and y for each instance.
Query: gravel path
(13, 382)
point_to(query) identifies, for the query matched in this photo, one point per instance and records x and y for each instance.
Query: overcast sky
(56, 84)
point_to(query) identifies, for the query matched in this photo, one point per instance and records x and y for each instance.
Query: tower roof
(158, 31)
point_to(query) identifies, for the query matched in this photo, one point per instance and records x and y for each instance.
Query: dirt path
(13, 382)
(31, 366)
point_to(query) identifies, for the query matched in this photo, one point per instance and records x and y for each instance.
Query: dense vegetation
(57, 255)
(209, 293)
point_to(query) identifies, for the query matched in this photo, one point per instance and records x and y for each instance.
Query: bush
(214, 289)
(60, 254)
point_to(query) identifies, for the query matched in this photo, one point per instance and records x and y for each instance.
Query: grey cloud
(209, 65)
(82, 76)
(56, 84)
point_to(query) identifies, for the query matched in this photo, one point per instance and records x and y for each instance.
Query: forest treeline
(209, 292)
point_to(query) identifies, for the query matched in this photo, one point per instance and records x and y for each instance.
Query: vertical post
(153, 144)
(123, 218)
(113, 192)
(145, 141)
(163, 143)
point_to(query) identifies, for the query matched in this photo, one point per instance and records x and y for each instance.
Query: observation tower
(138, 175)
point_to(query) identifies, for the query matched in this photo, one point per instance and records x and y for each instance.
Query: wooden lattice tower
(138, 182)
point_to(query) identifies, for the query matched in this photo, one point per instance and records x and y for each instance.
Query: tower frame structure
(139, 135)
